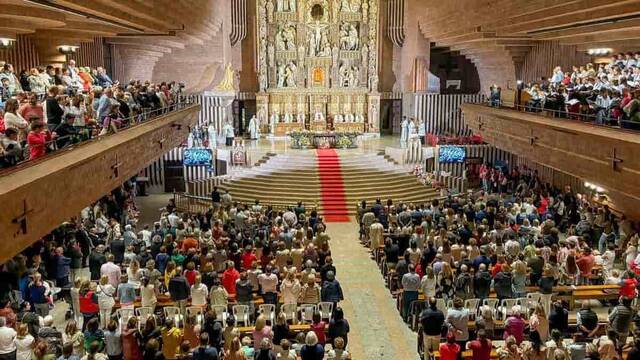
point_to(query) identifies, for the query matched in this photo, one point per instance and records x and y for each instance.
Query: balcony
(39, 195)
(597, 154)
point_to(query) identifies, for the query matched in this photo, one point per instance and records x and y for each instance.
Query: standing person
(111, 270)
(179, 290)
(148, 293)
(268, 284)
(411, 285)
(312, 350)
(72, 335)
(126, 293)
(7, 341)
(24, 343)
(113, 341)
(53, 109)
(481, 347)
(228, 131)
(171, 339)
(620, 319)
(339, 326)
(37, 140)
(131, 340)
(450, 349)
(38, 294)
(215, 197)
(432, 320)
(204, 351)
(14, 120)
(106, 300)
(88, 303)
(458, 321)
(229, 278)
(261, 331)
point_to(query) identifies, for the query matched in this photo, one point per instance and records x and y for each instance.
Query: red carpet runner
(332, 186)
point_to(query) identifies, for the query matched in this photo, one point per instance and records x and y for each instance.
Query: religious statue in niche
(270, 9)
(348, 75)
(350, 6)
(318, 39)
(286, 75)
(349, 38)
(286, 5)
(285, 38)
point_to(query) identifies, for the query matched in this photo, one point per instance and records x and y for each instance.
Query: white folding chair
(196, 311)
(506, 305)
(472, 306)
(442, 306)
(221, 312)
(545, 300)
(268, 310)
(523, 302)
(290, 312)
(534, 297)
(143, 314)
(306, 312)
(123, 316)
(450, 304)
(241, 313)
(493, 304)
(325, 309)
(172, 312)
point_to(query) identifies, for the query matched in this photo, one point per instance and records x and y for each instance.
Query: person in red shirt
(498, 266)
(37, 140)
(585, 263)
(449, 350)
(32, 111)
(481, 347)
(248, 257)
(229, 278)
(189, 243)
(191, 273)
(628, 286)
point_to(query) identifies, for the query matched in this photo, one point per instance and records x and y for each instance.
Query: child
(449, 350)
(300, 342)
(247, 347)
(72, 335)
(338, 353)
(113, 341)
(230, 332)
(318, 327)
(67, 352)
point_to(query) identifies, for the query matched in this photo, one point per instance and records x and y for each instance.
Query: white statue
(280, 41)
(271, 53)
(270, 10)
(273, 120)
(354, 38)
(344, 75)
(290, 37)
(345, 6)
(359, 118)
(365, 53)
(253, 128)
(290, 75)
(373, 83)
(353, 76)
(339, 119)
(280, 75)
(349, 118)
(301, 53)
(355, 5)
(365, 11)
(280, 5)
(287, 118)
(374, 116)
(336, 9)
(318, 116)
(262, 80)
(292, 5)
(334, 54)
(326, 47)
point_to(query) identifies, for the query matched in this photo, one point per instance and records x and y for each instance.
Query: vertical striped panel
(23, 55)
(212, 111)
(552, 176)
(546, 55)
(91, 54)
(442, 113)
(395, 22)
(238, 21)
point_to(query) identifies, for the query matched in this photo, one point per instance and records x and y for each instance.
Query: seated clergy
(339, 118)
(300, 118)
(287, 118)
(318, 116)
(359, 118)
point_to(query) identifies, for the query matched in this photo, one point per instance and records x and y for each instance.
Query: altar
(324, 140)
(318, 66)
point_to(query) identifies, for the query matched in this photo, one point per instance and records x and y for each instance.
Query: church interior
(319, 179)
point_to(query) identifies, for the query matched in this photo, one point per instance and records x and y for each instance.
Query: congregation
(475, 273)
(51, 108)
(237, 282)
(605, 93)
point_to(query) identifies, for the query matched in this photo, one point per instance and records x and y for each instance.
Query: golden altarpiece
(318, 65)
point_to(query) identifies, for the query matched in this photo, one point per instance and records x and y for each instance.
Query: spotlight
(6, 43)
(67, 49)
(599, 189)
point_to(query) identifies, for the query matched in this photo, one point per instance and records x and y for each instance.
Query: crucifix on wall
(615, 160)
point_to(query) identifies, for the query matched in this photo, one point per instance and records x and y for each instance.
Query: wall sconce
(6, 43)
(67, 49)
(598, 51)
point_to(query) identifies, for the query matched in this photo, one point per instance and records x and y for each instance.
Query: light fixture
(587, 184)
(67, 49)
(599, 189)
(6, 43)
(599, 51)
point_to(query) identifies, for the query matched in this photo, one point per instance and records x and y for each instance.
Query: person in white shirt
(106, 301)
(199, 292)
(268, 283)
(24, 343)
(7, 340)
(173, 219)
(145, 234)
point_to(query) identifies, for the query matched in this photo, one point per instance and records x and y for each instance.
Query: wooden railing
(195, 204)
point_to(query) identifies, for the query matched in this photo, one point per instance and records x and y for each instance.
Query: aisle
(377, 330)
(331, 186)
